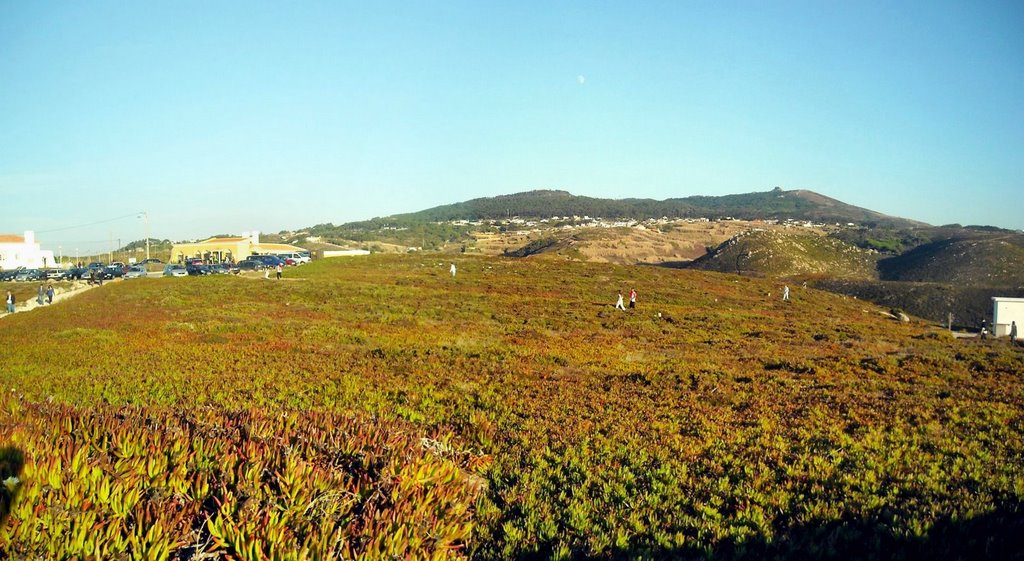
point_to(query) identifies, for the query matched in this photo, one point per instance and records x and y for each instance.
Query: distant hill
(935, 301)
(966, 256)
(783, 254)
(775, 204)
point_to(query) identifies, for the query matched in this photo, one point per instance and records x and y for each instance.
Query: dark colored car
(251, 265)
(10, 274)
(151, 260)
(114, 271)
(269, 260)
(75, 273)
(197, 270)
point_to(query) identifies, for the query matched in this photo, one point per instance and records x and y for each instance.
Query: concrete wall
(1004, 311)
(344, 252)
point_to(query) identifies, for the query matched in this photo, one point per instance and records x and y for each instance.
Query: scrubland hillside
(377, 407)
(777, 253)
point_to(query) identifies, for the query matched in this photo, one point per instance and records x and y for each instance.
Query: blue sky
(220, 117)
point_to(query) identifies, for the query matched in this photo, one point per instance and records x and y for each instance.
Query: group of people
(43, 296)
(632, 300)
(277, 270)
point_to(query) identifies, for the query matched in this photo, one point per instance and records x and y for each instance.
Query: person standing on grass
(452, 269)
(10, 302)
(49, 294)
(39, 295)
(618, 305)
(278, 270)
(785, 293)
(1013, 330)
(632, 298)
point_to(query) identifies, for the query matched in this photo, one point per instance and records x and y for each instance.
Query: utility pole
(145, 215)
(110, 247)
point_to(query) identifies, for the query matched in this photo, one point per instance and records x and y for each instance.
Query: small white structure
(23, 251)
(1004, 311)
(344, 252)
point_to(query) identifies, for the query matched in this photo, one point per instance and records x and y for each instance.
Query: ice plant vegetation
(381, 409)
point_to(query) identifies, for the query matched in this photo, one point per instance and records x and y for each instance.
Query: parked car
(55, 273)
(114, 271)
(296, 258)
(9, 274)
(30, 275)
(197, 270)
(268, 260)
(136, 272)
(151, 260)
(251, 265)
(175, 270)
(75, 273)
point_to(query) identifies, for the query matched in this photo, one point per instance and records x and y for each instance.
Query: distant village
(531, 226)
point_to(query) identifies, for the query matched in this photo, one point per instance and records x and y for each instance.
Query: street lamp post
(145, 215)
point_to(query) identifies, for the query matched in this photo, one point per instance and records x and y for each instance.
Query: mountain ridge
(776, 204)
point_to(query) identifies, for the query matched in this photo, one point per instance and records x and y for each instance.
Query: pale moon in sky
(581, 78)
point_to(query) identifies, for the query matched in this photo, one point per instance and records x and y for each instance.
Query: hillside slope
(775, 204)
(380, 408)
(787, 254)
(975, 260)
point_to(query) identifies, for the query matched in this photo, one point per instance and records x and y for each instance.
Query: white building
(1004, 311)
(23, 251)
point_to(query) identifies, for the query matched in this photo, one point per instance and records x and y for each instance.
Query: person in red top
(632, 297)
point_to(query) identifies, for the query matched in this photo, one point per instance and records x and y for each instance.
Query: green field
(377, 408)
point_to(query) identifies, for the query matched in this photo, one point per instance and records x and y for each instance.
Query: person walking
(40, 294)
(49, 294)
(10, 302)
(278, 271)
(785, 293)
(1013, 330)
(632, 298)
(618, 305)
(452, 269)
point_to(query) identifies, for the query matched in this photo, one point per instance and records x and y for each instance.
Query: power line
(134, 214)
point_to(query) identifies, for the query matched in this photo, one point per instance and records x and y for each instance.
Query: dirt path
(59, 294)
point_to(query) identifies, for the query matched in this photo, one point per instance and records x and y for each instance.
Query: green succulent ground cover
(379, 408)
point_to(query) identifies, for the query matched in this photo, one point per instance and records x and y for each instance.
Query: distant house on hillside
(229, 248)
(23, 251)
(1004, 311)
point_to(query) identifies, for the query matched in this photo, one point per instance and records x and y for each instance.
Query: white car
(175, 270)
(135, 272)
(298, 257)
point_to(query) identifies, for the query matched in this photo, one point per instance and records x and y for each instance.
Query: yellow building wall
(213, 251)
